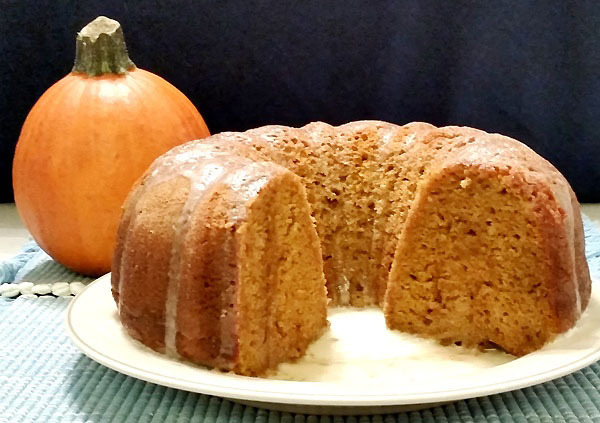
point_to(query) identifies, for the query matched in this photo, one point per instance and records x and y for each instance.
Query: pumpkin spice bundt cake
(231, 247)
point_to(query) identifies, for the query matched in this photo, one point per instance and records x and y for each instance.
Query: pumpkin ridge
(28, 185)
(174, 93)
(184, 111)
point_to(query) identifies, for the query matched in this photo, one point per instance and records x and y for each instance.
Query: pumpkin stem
(101, 49)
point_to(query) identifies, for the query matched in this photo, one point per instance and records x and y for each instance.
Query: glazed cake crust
(189, 263)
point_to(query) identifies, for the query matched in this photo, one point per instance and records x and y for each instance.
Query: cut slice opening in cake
(471, 269)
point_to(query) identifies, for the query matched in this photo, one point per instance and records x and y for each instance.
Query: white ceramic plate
(357, 367)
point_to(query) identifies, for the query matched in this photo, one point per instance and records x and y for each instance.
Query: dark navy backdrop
(528, 69)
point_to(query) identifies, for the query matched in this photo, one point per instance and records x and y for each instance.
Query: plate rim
(330, 399)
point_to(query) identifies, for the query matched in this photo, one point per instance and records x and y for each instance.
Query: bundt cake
(226, 244)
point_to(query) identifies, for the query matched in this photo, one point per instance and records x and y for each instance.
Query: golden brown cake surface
(463, 236)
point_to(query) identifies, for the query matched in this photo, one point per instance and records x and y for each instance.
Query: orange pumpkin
(87, 140)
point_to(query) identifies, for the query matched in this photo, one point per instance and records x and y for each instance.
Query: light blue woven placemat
(44, 377)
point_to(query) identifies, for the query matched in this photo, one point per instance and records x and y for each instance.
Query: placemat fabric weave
(33, 272)
(44, 377)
